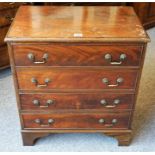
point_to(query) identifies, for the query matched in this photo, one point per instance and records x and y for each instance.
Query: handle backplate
(108, 58)
(32, 58)
(48, 103)
(39, 121)
(118, 81)
(35, 81)
(103, 121)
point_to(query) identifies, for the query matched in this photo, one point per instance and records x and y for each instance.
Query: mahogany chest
(76, 69)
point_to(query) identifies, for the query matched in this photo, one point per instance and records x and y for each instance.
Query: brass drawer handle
(105, 104)
(118, 81)
(32, 58)
(113, 122)
(108, 58)
(34, 80)
(48, 103)
(39, 121)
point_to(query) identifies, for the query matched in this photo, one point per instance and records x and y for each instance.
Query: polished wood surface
(76, 68)
(77, 55)
(76, 79)
(62, 23)
(77, 101)
(77, 121)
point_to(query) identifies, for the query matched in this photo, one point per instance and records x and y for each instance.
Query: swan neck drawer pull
(105, 104)
(102, 121)
(48, 103)
(34, 80)
(39, 121)
(32, 58)
(118, 81)
(108, 58)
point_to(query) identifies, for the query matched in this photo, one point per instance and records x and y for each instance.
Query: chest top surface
(76, 23)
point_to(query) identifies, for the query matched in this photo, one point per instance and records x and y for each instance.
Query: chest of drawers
(76, 69)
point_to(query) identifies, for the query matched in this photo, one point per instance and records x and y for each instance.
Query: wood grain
(77, 121)
(66, 101)
(63, 23)
(61, 78)
(76, 67)
(77, 55)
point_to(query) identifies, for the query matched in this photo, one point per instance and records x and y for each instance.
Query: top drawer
(77, 55)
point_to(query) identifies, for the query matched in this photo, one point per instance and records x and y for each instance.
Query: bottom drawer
(77, 120)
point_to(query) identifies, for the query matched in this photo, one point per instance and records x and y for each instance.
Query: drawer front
(6, 17)
(77, 121)
(77, 55)
(35, 79)
(66, 78)
(58, 101)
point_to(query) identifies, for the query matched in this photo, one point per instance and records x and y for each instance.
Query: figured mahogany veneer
(77, 121)
(100, 101)
(76, 79)
(76, 69)
(81, 55)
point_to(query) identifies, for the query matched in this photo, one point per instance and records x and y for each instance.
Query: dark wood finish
(85, 3)
(3, 31)
(76, 108)
(77, 55)
(4, 58)
(146, 13)
(65, 101)
(30, 138)
(77, 121)
(6, 17)
(10, 5)
(7, 13)
(124, 139)
(79, 78)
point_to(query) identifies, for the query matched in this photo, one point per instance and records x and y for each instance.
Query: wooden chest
(76, 69)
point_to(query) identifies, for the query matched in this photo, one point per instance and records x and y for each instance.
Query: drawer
(77, 121)
(58, 101)
(77, 55)
(77, 78)
(6, 17)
